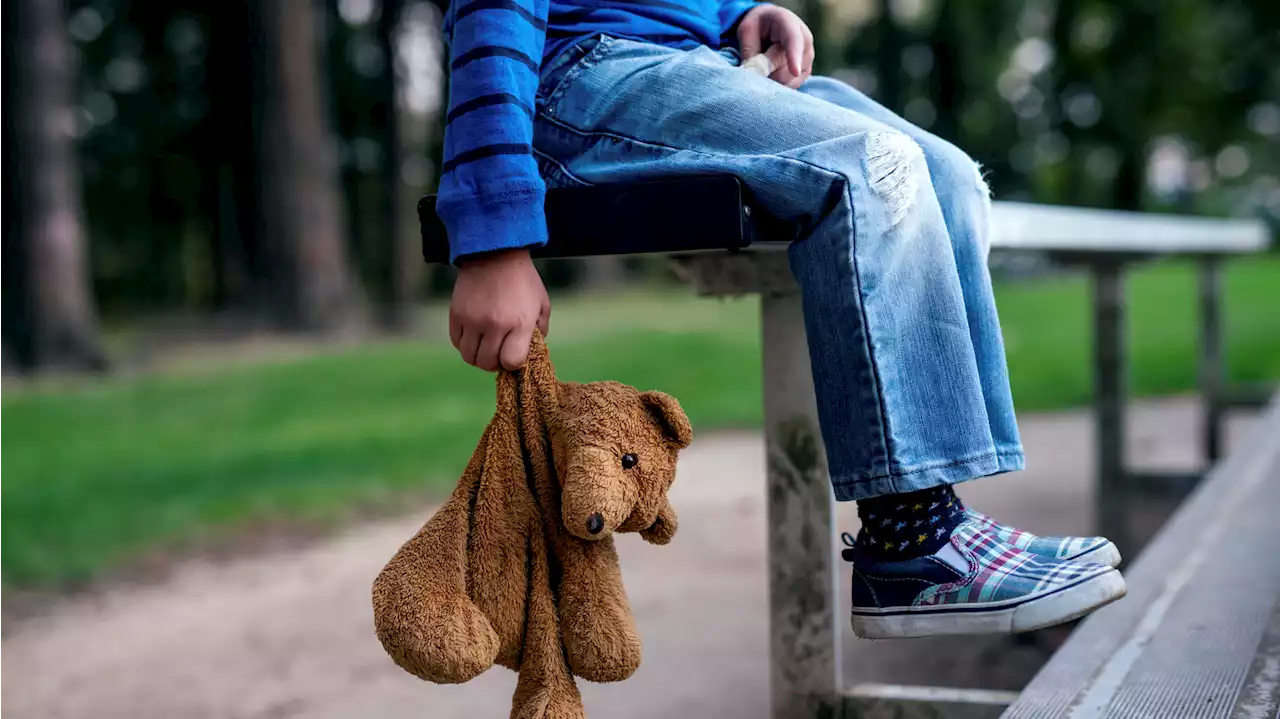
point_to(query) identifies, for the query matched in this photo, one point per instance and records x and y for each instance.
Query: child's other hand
(781, 33)
(497, 301)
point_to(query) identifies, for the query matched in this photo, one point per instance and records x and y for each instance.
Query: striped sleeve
(491, 196)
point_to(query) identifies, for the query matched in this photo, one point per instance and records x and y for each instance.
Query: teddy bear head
(615, 452)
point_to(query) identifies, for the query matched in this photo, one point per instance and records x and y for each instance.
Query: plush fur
(518, 567)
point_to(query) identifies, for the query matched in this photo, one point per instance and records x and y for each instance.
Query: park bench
(725, 246)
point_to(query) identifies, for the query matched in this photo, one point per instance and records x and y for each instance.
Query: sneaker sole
(1053, 607)
(1107, 554)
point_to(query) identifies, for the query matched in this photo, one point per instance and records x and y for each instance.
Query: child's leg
(966, 206)
(899, 394)
(898, 359)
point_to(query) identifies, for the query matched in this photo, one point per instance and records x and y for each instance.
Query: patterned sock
(897, 527)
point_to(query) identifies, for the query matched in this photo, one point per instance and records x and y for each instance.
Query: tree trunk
(312, 286)
(399, 262)
(888, 59)
(50, 318)
(231, 152)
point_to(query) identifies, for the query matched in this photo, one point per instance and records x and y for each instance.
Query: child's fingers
(794, 41)
(749, 37)
(515, 348)
(469, 345)
(490, 347)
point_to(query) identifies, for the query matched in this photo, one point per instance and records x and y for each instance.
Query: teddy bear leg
(545, 688)
(422, 613)
(600, 637)
(535, 698)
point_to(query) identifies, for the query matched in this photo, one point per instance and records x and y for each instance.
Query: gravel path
(289, 633)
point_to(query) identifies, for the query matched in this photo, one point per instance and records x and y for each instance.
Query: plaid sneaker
(1095, 550)
(976, 584)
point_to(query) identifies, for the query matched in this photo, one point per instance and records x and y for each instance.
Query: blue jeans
(890, 245)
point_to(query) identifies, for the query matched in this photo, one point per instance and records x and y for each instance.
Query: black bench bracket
(671, 216)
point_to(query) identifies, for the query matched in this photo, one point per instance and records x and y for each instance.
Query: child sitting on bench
(889, 250)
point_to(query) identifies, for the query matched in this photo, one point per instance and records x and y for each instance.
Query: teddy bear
(518, 567)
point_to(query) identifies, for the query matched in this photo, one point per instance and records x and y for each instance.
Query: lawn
(103, 474)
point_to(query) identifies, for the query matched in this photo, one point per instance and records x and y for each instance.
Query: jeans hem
(987, 464)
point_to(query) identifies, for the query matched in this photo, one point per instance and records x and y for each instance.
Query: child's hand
(783, 34)
(497, 301)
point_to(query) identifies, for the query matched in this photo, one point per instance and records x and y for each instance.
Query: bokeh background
(220, 342)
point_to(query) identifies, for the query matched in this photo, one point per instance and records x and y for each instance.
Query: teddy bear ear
(670, 417)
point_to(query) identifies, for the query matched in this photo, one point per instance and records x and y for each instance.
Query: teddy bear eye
(629, 461)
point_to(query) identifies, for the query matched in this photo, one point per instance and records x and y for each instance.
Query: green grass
(102, 474)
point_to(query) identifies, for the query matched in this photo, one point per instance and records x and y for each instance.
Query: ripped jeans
(890, 246)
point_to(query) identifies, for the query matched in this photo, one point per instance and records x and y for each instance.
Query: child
(890, 255)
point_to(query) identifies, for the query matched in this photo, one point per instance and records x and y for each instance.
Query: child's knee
(896, 171)
(955, 169)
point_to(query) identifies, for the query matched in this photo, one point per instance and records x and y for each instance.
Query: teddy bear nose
(595, 523)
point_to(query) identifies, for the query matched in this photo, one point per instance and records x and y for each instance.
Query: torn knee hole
(895, 168)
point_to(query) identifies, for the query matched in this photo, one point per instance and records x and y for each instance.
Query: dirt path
(289, 634)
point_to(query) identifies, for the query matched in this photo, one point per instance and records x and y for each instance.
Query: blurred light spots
(365, 56)
(845, 16)
(79, 122)
(921, 112)
(416, 170)
(1264, 119)
(1035, 19)
(1101, 163)
(1051, 148)
(909, 12)
(418, 52)
(1030, 104)
(1081, 106)
(1167, 166)
(100, 106)
(184, 36)
(1200, 174)
(1232, 162)
(86, 24)
(862, 78)
(1022, 157)
(977, 118)
(1033, 55)
(1013, 84)
(125, 74)
(356, 12)
(366, 154)
(917, 60)
(1095, 31)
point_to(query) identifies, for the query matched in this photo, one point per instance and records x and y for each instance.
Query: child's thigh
(947, 162)
(629, 111)
(696, 101)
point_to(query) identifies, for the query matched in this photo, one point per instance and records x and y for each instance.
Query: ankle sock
(898, 527)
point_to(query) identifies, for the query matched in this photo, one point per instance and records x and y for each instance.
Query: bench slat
(709, 213)
(1198, 636)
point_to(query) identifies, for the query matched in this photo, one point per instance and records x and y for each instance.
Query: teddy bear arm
(663, 528)
(600, 638)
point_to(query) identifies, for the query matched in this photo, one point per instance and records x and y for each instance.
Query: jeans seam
(591, 57)
(920, 469)
(561, 169)
(881, 410)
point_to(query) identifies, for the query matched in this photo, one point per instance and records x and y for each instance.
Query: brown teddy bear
(518, 567)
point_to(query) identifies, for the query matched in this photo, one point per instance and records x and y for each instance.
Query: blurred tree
(312, 285)
(399, 259)
(49, 317)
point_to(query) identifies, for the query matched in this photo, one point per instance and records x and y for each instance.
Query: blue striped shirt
(491, 196)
